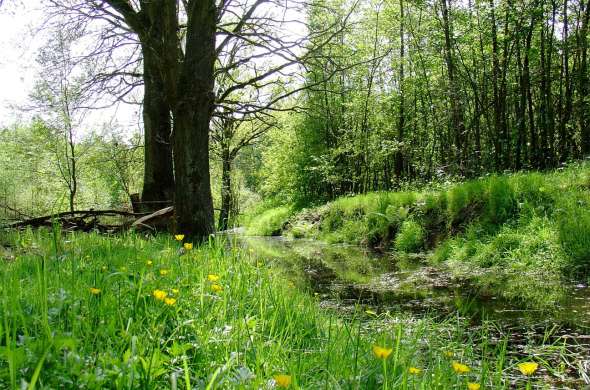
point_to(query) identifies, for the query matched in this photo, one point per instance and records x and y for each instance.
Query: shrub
(410, 237)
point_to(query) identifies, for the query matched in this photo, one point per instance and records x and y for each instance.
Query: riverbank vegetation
(501, 233)
(84, 310)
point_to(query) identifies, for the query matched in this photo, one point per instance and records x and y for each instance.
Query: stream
(345, 277)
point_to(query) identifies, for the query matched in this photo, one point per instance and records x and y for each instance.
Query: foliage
(410, 237)
(128, 312)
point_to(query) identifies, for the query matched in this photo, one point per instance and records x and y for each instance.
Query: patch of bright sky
(20, 41)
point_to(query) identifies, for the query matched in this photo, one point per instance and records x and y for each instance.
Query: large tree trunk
(158, 182)
(193, 108)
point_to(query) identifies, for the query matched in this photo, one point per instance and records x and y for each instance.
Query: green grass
(269, 222)
(55, 333)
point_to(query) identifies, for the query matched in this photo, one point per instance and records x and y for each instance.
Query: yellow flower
(216, 287)
(164, 272)
(159, 294)
(415, 370)
(213, 277)
(175, 291)
(179, 237)
(381, 353)
(188, 246)
(149, 263)
(95, 291)
(473, 386)
(170, 301)
(282, 380)
(528, 368)
(460, 368)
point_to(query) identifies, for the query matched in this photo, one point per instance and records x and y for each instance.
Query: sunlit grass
(83, 310)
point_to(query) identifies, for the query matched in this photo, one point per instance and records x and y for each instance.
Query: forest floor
(91, 311)
(522, 236)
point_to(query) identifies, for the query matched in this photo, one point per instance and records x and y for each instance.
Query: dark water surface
(345, 278)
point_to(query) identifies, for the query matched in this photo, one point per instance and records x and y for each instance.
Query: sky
(19, 43)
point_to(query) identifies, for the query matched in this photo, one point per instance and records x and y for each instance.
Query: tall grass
(92, 316)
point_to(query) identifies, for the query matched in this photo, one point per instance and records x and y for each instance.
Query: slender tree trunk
(399, 156)
(226, 190)
(584, 84)
(457, 121)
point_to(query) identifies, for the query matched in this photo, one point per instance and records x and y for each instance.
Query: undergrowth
(88, 311)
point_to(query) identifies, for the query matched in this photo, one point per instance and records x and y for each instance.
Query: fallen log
(75, 220)
(159, 220)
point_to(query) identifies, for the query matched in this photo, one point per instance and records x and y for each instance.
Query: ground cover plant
(84, 310)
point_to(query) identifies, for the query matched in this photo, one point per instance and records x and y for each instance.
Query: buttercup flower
(149, 263)
(188, 246)
(95, 291)
(159, 294)
(213, 277)
(179, 237)
(415, 370)
(216, 287)
(170, 301)
(381, 352)
(528, 368)
(460, 368)
(282, 380)
(473, 386)
(164, 272)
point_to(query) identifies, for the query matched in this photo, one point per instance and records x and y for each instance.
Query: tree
(59, 97)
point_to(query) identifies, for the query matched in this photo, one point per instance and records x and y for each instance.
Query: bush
(410, 237)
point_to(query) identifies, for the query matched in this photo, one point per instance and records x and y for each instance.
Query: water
(345, 277)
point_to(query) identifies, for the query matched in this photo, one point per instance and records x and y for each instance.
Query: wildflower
(149, 263)
(175, 291)
(160, 295)
(381, 352)
(95, 291)
(216, 287)
(528, 368)
(415, 370)
(170, 301)
(179, 237)
(473, 386)
(188, 246)
(460, 368)
(282, 380)
(164, 272)
(213, 277)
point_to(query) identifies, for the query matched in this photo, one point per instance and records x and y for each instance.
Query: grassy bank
(499, 231)
(97, 312)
